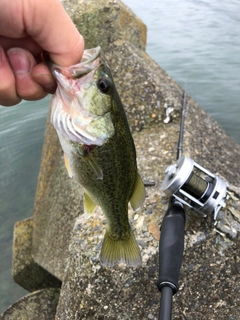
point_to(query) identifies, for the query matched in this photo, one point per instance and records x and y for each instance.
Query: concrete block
(40, 305)
(26, 272)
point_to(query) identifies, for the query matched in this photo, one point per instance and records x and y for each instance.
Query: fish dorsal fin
(89, 204)
(69, 170)
(138, 195)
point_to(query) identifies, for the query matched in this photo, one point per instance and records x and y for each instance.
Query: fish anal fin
(138, 195)
(69, 170)
(120, 251)
(89, 204)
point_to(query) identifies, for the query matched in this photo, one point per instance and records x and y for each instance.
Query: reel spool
(195, 187)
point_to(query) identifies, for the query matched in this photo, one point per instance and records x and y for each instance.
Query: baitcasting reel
(195, 186)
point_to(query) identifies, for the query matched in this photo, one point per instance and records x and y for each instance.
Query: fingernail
(19, 61)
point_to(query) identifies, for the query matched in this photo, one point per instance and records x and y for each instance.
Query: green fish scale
(117, 159)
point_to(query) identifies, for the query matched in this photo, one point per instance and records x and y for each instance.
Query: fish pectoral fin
(117, 251)
(139, 194)
(95, 167)
(89, 204)
(91, 162)
(69, 170)
(85, 154)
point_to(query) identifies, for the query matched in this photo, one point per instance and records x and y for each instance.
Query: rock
(131, 293)
(26, 272)
(104, 22)
(40, 305)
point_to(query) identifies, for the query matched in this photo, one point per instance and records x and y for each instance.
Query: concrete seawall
(55, 252)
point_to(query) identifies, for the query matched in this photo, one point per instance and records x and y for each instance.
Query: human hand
(27, 29)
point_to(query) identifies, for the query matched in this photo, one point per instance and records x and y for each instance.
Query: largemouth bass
(99, 151)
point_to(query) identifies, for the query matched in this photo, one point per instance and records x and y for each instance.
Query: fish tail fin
(116, 251)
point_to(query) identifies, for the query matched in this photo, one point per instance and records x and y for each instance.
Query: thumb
(50, 26)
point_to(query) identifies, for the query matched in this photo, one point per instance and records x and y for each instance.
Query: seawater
(21, 136)
(197, 42)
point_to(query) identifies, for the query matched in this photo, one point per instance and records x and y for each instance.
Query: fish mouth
(88, 63)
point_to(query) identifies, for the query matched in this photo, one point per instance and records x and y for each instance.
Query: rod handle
(171, 246)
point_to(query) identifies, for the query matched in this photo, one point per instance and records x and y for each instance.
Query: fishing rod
(180, 139)
(189, 184)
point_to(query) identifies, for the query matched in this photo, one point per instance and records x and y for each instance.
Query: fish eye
(104, 85)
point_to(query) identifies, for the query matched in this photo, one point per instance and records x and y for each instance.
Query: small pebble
(142, 243)
(149, 211)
